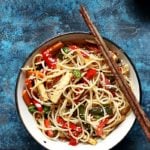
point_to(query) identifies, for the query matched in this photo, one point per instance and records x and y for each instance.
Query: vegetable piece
(97, 117)
(42, 92)
(72, 126)
(38, 105)
(55, 95)
(97, 111)
(28, 84)
(62, 122)
(47, 124)
(90, 74)
(34, 73)
(87, 126)
(102, 123)
(50, 52)
(50, 61)
(46, 109)
(82, 112)
(32, 108)
(73, 47)
(26, 98)
(108, 109)
(76, 73)
(66, 50)
(73, 142)
(55, 48)
(60, 56)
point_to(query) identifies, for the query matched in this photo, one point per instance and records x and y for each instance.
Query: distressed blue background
(25, 24)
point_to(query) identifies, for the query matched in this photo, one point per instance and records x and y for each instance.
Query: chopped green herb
(32, 108)
(97, 116)
(97, 111)
(81, 111)
(76, 73)
(87, 127)
(46, 109)
(66, 50)
(108, 109)
(60, 56)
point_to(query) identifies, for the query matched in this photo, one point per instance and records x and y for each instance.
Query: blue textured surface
(25, 24)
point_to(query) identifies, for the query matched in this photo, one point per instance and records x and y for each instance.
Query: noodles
(73, 96)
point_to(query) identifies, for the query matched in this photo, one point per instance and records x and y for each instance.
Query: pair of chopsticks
(135, 106)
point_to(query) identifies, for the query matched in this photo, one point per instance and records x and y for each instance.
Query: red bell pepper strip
(62, 122)
(75, 127)
(50, 52)
(50, 61)
(90, 74)
(28, 84)
(76, 130)
(72, 126)
(26, 98)
(102, 124)
(73, 47)
(48, 125)
(37, 105)
(73, 142)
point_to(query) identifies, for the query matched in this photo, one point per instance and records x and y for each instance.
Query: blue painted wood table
(25, 24)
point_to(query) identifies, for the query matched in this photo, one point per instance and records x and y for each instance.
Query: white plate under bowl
(112, 139)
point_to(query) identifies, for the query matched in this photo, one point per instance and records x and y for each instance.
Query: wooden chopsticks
(135, 106)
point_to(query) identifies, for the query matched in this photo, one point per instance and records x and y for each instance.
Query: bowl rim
(65, 34)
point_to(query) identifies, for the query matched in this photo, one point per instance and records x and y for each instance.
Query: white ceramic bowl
(112, 139)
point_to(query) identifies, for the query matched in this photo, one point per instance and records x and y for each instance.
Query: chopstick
(125, 88)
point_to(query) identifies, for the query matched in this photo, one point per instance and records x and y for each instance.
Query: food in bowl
(72, 94)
